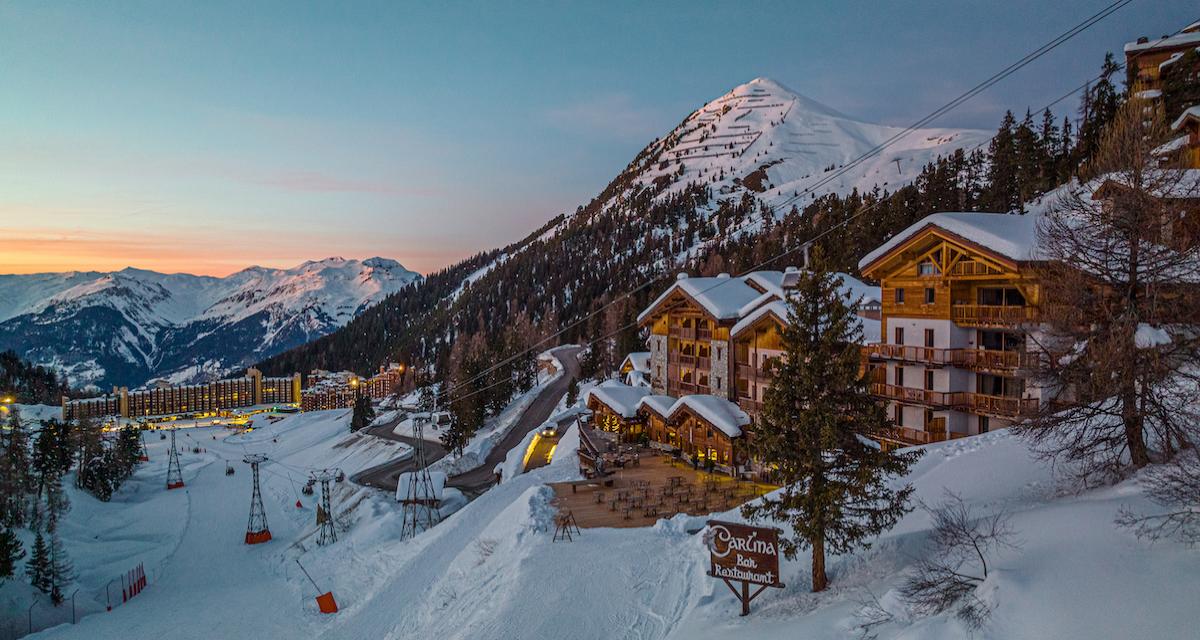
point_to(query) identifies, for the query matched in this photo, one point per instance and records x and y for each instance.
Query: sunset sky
(210, 136)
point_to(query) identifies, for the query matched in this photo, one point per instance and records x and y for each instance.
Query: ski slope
(491, 570)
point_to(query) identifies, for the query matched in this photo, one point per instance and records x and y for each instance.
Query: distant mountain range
(131, 326)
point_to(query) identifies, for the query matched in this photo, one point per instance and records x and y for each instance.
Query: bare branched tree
(1175, 487)
(1118, 301)
(948, 577)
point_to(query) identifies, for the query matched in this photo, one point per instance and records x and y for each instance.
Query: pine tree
(60, 571)
(1004, 193)
(16, 481)
(363, 413)
(814, 430)
(572, 391)
(38, 567)
(11, 551)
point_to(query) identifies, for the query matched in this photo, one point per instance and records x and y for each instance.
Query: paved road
(479, 479)
(541, 454)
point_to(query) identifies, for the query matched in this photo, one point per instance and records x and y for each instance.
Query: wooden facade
(953, 348)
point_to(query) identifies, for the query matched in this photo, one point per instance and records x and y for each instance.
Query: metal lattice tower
(174, 472)
(416, 514)
(326, 533)
(256, 528)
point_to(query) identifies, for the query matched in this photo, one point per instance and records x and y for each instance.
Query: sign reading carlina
(744, 553)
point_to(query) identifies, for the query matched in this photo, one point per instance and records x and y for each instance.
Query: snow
(1189, 113)
(621, 398)
(722, 296)
(719, 412)
(433, 491)
(313, 298)
(1010, 235)
(491, 571)
(658, 404)
(1157, 43)
(638, 360)
(1148, 337)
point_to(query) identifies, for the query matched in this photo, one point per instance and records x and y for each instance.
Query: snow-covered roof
(722, 296)
(1148, 94)
(1010, 235)
(658, 404)
(432, 492)
(638, 361)
(719, 412)
(621, 398)
(772, 283)
(1163, 43)
(778, 308)
(1189, 113)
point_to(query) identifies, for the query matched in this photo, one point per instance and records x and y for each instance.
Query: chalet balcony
(689, 333)
(974, 359)
(923, 355)
(986, 315)
(1003, 406)
(746, 371)
(689, 388)
(907, 436)
(695, 362)
(913, 395)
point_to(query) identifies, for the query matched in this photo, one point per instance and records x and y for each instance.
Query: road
(480, 478)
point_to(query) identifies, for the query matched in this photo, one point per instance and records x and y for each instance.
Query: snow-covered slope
(129, 326)
(764, 139)
(492, 571)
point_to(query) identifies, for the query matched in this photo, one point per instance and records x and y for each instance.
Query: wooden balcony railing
(905, 435)
(972, 268)
(913, 395)
(985, 359)
(984, 315)
(749, 372)
(926, 355)
(689, 333)
(1006, 406)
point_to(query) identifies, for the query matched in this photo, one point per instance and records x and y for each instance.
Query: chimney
(723, 275)
(1143, 40)
(682, 276)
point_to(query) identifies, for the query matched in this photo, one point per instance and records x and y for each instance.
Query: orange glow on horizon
(24, 251)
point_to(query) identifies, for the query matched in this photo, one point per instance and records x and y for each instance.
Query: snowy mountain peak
(130, 325)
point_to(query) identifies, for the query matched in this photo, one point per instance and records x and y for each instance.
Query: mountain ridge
(128, 326)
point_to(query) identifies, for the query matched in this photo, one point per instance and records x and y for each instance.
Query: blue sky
(209, 136)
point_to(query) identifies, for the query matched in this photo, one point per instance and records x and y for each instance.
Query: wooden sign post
(750, 555)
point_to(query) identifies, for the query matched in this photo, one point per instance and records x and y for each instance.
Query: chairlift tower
(174, 472)
(256, 528)
(326, 532)
(416, 514)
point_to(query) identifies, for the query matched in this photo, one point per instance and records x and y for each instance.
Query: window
(899, 411)
(929, 337)
(983, 424)
(927, 269)
(718, 353)
(930, 295)
(899, 335)
(718, 383)
(899, 295)
(899, 376)
(929, 379)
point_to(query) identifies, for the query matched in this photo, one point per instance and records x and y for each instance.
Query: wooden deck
(655, 488)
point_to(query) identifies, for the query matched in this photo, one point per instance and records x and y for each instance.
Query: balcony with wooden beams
(974, 359)
(986, 315)
(913, 395)
(977, 403)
